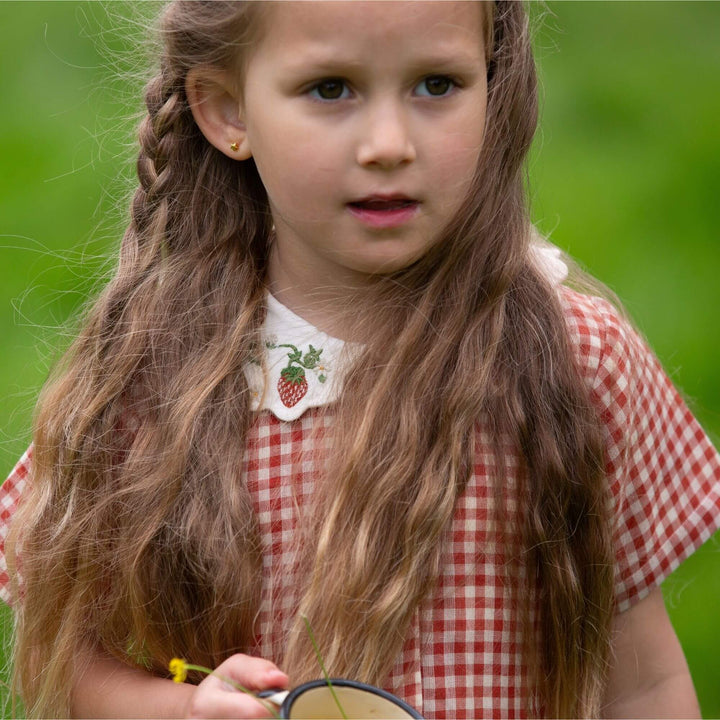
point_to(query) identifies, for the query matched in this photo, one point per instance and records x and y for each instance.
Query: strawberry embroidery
(293, 385)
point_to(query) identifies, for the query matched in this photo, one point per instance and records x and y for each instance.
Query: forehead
(365, 27)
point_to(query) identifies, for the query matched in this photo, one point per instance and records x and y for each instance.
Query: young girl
(337, 377)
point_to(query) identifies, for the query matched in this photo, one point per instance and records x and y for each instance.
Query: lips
(384, 211)
(379, 203)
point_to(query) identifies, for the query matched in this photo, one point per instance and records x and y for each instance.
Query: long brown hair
(142, 540)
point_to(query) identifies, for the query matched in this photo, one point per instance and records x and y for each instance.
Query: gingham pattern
(10, 494)
(462, 656)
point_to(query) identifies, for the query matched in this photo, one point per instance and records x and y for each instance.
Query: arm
(649, 676)
(107, 688)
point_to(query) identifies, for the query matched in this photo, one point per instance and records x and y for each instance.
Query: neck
(330, 308)
(322, 307)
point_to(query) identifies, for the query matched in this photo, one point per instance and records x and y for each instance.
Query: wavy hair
(142, 540)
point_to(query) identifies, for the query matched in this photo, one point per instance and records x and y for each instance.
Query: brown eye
(435, 85)
(331, 89)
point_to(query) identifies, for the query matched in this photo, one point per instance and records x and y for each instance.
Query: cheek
(455, 167)
(286, 171)
(463, 142)
(455, 159)
(295, 167)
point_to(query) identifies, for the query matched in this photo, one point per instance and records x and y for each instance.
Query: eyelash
(452, 84)
(313, 91)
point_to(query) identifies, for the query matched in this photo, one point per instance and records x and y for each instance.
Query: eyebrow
(451, 58)
(322, 63)
(331, 62)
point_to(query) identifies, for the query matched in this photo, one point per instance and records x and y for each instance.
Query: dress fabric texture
(462, 656)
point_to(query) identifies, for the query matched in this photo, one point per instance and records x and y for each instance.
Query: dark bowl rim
(343, 682)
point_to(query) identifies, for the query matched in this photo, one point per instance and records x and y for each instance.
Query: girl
(336, 377)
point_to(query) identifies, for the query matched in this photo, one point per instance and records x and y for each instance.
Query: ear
(215, 105)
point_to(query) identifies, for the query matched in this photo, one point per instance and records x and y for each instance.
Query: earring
(234, 146)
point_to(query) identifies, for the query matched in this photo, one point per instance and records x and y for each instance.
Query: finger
(253, 673)
(217, 702)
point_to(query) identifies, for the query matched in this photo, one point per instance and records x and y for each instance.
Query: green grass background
(625, 175)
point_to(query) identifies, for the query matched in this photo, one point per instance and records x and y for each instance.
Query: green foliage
(624, 174)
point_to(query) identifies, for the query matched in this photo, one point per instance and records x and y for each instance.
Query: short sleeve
(11, 493)
(664, 472)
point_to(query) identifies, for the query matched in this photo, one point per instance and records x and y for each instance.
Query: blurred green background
(625, 176)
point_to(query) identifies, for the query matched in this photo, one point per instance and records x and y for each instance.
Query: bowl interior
(318, 703)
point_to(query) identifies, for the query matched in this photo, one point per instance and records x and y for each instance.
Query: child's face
(365, 120)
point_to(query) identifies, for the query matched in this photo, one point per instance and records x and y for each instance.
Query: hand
(214, 698)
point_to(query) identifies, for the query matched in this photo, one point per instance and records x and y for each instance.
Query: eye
(435, 86)
(330, 89)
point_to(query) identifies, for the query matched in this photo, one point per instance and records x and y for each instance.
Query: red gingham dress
(462, 654)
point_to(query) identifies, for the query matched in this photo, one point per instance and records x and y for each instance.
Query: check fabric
(462, 654)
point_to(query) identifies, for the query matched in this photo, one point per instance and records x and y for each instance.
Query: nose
(385, 140)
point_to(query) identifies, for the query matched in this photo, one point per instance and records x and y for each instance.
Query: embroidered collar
(304, 367)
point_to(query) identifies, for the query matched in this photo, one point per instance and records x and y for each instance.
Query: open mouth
(378, 212)
(376, 205)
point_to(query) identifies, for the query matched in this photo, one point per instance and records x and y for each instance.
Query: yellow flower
(178, 668)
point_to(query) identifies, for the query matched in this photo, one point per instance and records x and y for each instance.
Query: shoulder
(662, 470)
(610, 353)
(634, 397)
(13, 488)
(596, 328)
(11, 493)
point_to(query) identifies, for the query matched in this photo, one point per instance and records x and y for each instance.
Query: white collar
(304, 367)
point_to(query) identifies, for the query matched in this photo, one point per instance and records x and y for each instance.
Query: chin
(388, 266)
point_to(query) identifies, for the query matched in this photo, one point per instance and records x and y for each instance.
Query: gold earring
(234, 146)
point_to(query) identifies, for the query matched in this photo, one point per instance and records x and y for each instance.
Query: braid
(149, 208)
(140, 432)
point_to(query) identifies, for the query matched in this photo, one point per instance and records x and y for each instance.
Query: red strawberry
(292, 385)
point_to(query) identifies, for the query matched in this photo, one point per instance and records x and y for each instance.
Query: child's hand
(214, 698)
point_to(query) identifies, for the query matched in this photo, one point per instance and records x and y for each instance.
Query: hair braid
(136, 500)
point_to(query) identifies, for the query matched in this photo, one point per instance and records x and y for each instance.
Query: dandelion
(179, 669)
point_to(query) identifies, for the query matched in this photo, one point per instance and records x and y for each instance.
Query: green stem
(322, 667)
(267, 705)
